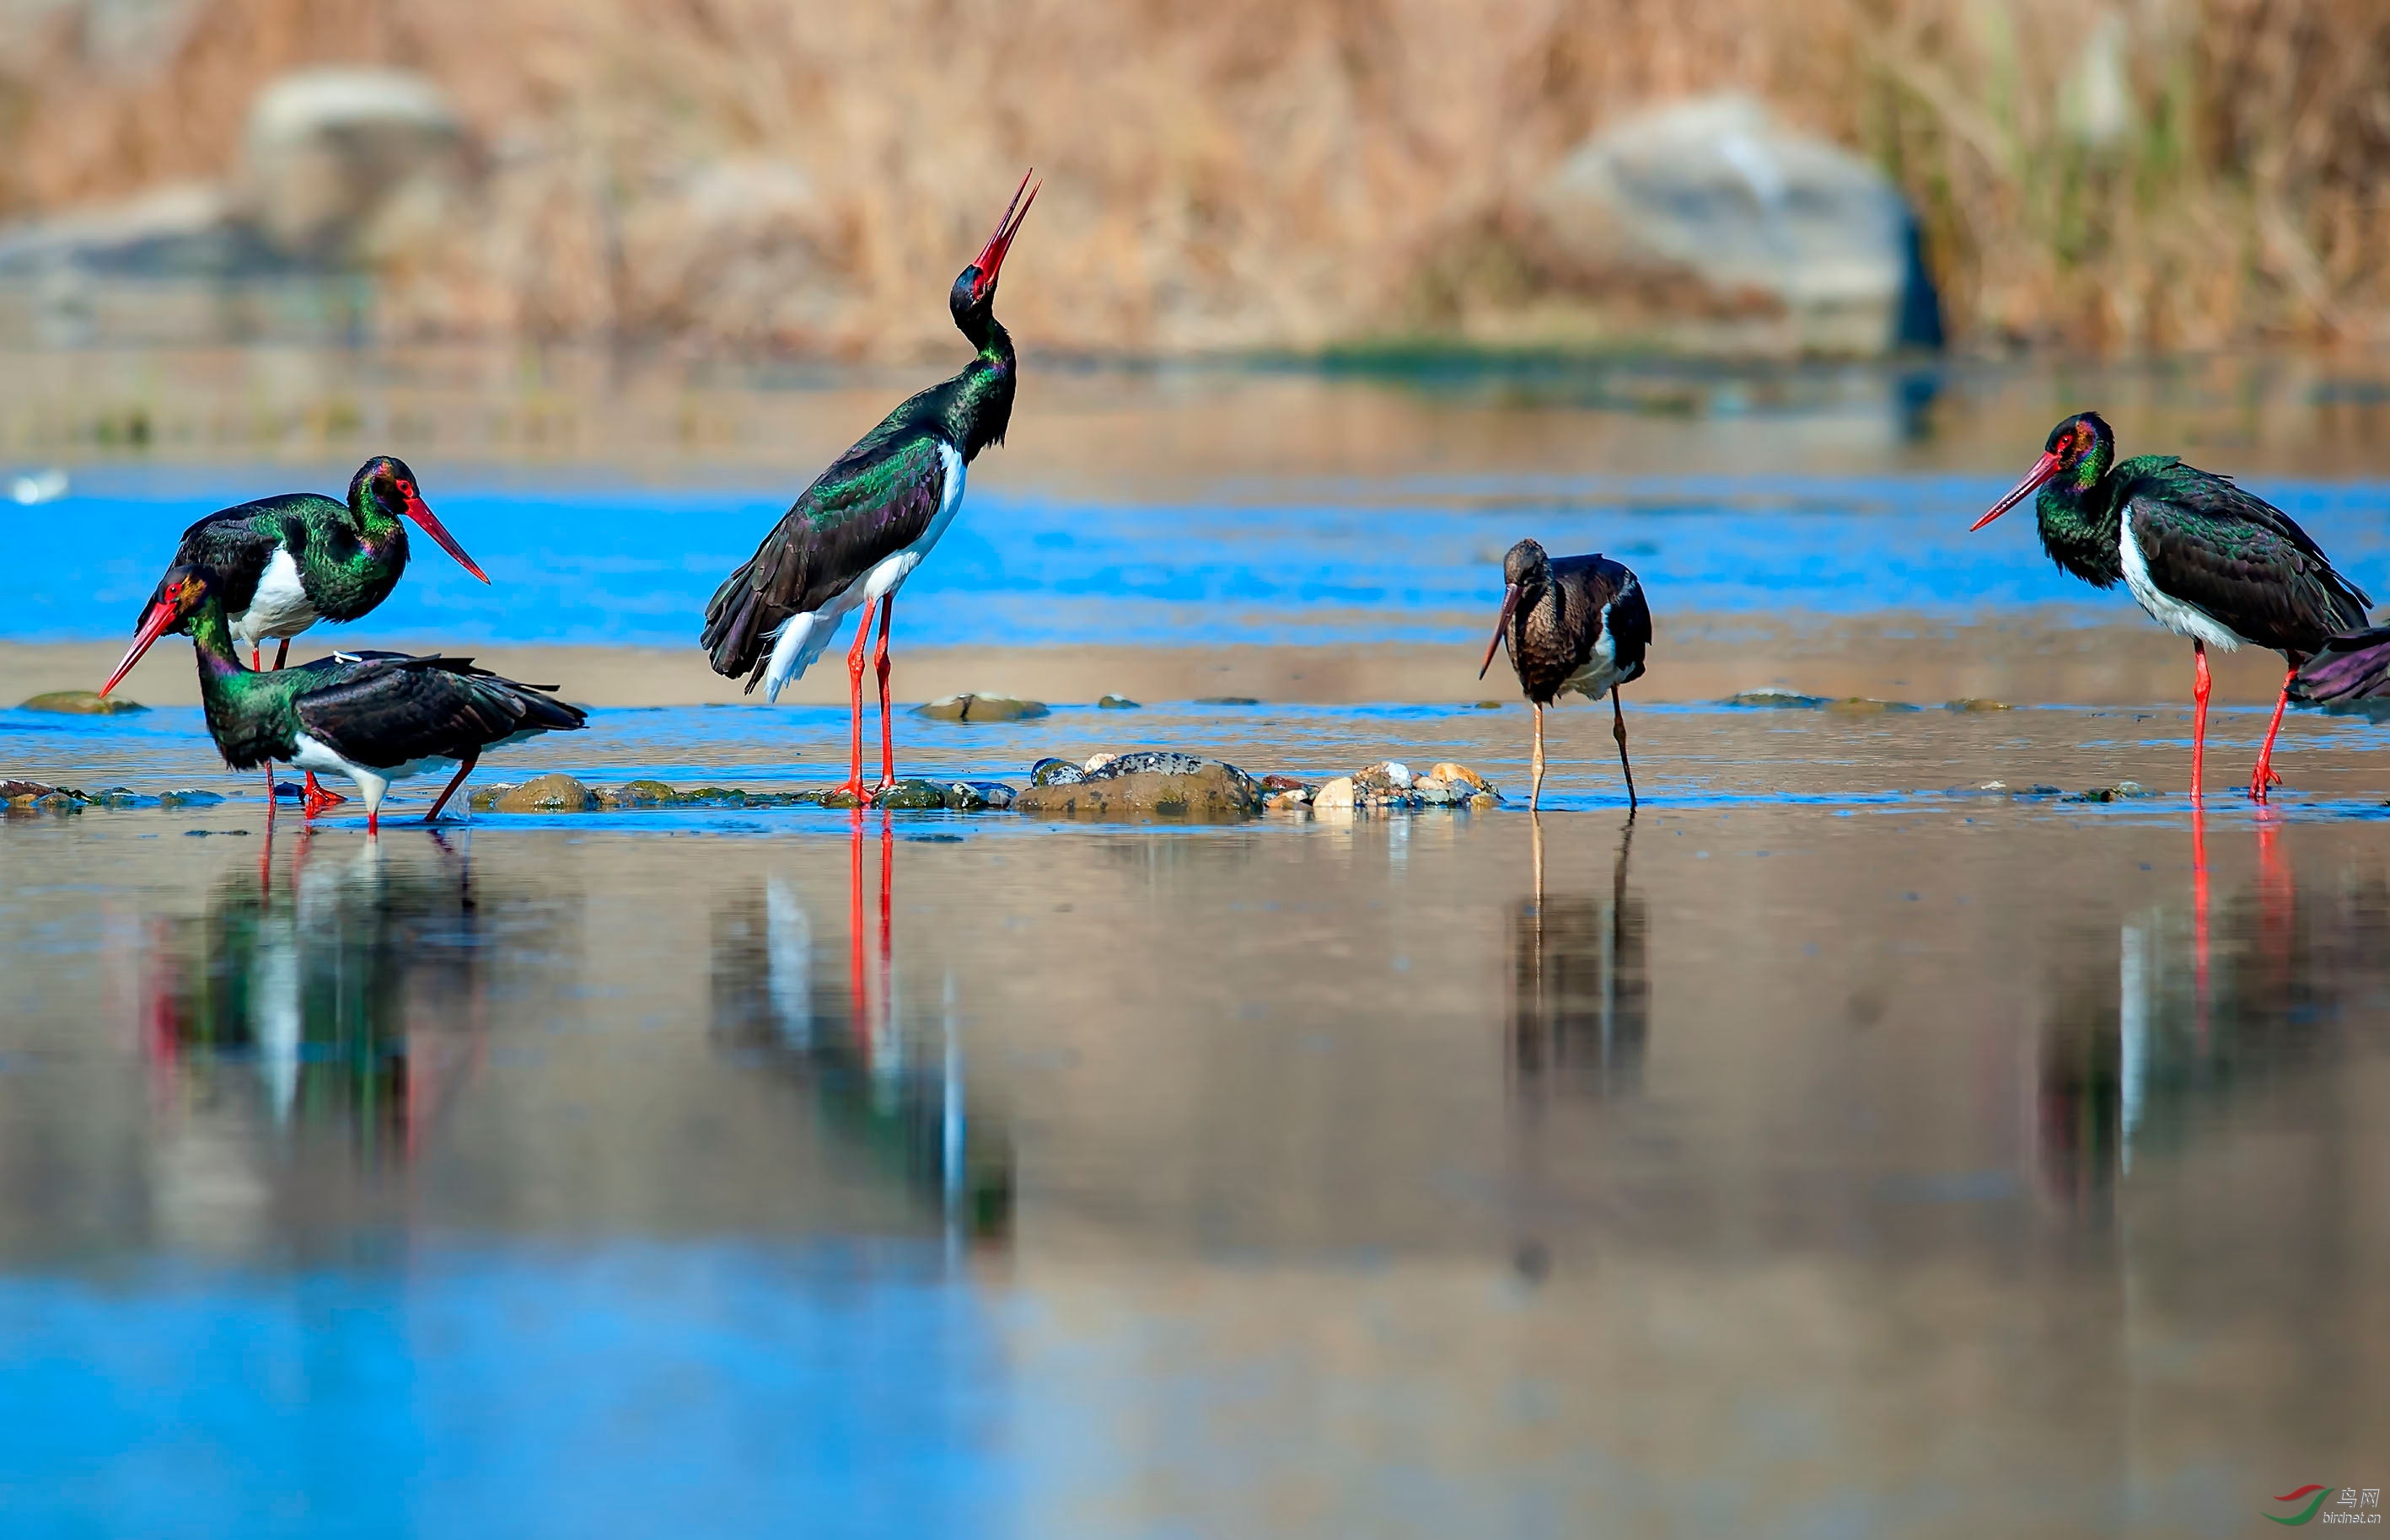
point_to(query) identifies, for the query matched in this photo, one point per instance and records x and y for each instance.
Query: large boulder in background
(1762, 220)
(334, 158)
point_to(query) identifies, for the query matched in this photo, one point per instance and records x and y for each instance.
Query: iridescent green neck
(981, 406)
(2077, 517)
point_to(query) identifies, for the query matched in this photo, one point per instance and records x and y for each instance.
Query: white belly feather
(310, 753)
(1601, 672)
(2183, 620)
(280, 608)
(806, 636)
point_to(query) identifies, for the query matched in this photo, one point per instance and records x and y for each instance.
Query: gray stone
(1772, 696)
(10, 791)
(1175, 786)
(1716, 190)
(1975, 703)
(1860, 705)
(912, 795)
(981, 708)
(81, 704)
(1055, 772)
(343, 165)
(646, 793)
(1116, 703)
(190, 797)
(978, 796)
(554, 792)
(1226, 700)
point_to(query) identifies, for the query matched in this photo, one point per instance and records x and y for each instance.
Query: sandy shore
(1695, 658)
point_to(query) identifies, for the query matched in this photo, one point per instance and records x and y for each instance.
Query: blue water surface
(1410, 560)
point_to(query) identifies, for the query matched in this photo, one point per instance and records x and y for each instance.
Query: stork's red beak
(162, 615)
(2043, 470)
(1501, 627)
(991, 257)
(420, 512)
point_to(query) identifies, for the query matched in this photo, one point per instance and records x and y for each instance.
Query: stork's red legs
(2263, 778)
(464, 768)
(317, 797)
(887, 731)
(853, 785)
(317, 800)
(2199, 691)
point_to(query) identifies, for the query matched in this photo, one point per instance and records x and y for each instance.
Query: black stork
(374, 718)
(2204, 557)
(287, 561)
(865, 523)
(1573, 624)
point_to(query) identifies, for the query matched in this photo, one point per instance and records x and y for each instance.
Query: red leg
(318, 800)
(887, 732)
(2199, 691)
(282, 653)
(464, 768)
(255, 659)
(2263, 778)
(853, 784)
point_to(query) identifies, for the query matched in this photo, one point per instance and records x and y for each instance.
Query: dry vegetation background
(1255, 174)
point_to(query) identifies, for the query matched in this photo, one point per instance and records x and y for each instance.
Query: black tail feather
(2352, 666)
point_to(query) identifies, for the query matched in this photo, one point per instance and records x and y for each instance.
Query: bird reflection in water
(887, 1073)
(344, 994)
(2152, 1023)
(1580, 996)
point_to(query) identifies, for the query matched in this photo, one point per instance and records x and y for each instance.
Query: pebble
(968, 707)
(1097, 762)
(1055, 772)
(81, 704)
(190, 796)
(1334, 794)
(1117, 703)
(912, 795)
(1974, 703)
(554, 792)
(1860, 705)
(1150, 785)
(1226, 700)
(1772, 696)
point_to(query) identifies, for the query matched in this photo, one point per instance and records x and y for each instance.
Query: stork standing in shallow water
(1573, 624)
(2205, 558)
(374, 718)
(283, 563)
(855, 535)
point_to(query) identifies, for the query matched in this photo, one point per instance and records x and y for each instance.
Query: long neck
(378, 531)
(2078, 528)
(980, 406)
(212, 637)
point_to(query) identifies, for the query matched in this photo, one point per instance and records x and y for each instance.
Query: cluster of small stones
(561, 793)
(17, 796)
(1387, 785)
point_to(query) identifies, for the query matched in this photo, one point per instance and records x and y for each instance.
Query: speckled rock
(1772, 696)
(981, 707)
(554, 792)
(912, 795)
(2121, 792)
(1284, 783)
(1975, 703)
(1292, 799)
(641, 793)
(1055, 772)
(82, 703)
(1387, 776)
(1150, 786)
(11, 791)
(979, 796)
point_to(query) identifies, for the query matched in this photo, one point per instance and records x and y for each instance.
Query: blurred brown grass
(1242, 174)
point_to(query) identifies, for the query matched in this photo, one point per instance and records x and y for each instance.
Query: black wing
(2235, 555)
(1595, 582)
(383, 709)
(239, 542)
(874, 500)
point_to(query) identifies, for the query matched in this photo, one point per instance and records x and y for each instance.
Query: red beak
(1501, 627)
(991, 256)
(162, 615)
(2043, 470)
(419, 511)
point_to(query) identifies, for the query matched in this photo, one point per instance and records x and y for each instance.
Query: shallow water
(1823, 1150)
(1868, 1136)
